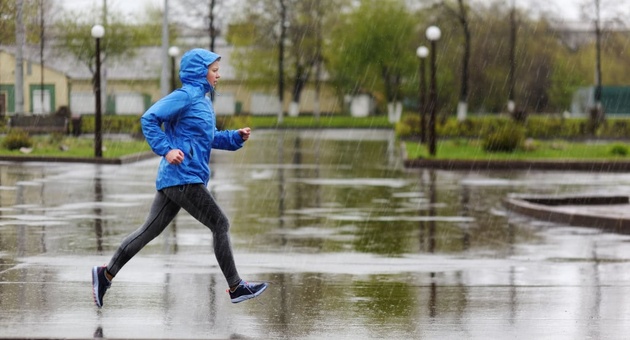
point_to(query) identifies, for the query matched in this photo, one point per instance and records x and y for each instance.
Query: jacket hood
(194, 67)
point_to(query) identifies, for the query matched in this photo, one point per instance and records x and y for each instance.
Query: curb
(546, 209)
(454, 164)
(106, 161)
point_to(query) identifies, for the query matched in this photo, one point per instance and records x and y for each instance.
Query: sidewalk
(103, 160)
(352, 249)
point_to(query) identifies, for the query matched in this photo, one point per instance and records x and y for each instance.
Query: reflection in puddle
(356, 182)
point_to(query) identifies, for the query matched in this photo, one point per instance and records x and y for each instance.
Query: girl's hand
(245, 132)
(175, 157)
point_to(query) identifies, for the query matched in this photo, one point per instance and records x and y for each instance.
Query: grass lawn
(540, 150)
(324, 122)
(54, 145)
(461, 149)
(51, 146)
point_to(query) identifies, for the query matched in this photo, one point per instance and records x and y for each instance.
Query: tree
(209, 17)
(512, 60)
(536, 55)
(603, 15)
(280, 41)
(368, 53)
(461, 13)
(305, 40)
(30, 14)
(73, 36)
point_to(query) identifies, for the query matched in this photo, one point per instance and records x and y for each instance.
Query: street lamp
(97, 33)
(173, 52)
(422, 52)
(433, 33)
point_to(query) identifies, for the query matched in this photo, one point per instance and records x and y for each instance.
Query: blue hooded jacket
(188, 121)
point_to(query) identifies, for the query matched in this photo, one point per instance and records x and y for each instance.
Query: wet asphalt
(353, 245)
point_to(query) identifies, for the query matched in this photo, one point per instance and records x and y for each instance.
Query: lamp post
(173, 52)
(97, 33)
(422, 52)
(433, 33)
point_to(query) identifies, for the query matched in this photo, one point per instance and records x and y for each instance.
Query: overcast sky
(568, 9)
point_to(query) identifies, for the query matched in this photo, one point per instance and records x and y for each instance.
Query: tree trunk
(462, 108)
(20, 40)
(294, 109)
(394, 111)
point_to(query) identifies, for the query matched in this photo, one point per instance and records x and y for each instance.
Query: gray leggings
(198, 202)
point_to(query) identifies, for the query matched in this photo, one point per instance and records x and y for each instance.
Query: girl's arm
(162, 112)
(230, 139)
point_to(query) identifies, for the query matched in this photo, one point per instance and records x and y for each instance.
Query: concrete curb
(558, 165)
(454, 164)
(572, 210)
(108, 161)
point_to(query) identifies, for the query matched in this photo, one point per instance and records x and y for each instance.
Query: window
(41, 102)
(42, 99)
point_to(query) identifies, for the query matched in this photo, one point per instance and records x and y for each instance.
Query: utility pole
(41, 55)
(211, 28)
(164, 81)
(598, 66)
(103, 77)
(213, 34)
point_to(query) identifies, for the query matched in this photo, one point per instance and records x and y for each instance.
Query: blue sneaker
(100, 284)
(246, 291)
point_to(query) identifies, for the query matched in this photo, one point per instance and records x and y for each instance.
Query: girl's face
(213, 73)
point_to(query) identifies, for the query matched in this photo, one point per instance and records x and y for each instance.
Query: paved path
(351, 253)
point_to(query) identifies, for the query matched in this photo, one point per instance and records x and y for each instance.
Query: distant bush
(505, 139)
(530, 145)
(619, 150)
(409, 125)
(111, 123)
(615, 128)
(17, 139)
(536, 126)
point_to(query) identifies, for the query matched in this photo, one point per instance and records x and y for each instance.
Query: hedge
(537, 127)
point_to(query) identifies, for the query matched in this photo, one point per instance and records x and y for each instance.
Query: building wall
(237, 92)
(235, 95)
(244, 94)
(55, 82)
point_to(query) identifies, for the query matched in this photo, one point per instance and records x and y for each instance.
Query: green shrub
(616, 128)
(454, 128)
(536, 126)
(505, 139)
(530, 145)
(233, 122)
(110, 123)
(56, 138)
(409, 126)
(17, 139)
(619, 150)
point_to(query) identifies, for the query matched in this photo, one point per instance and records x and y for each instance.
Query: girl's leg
(162, 212)
(197, 200)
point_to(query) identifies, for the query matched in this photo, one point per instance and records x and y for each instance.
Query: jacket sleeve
(227, 140)
(163, 111)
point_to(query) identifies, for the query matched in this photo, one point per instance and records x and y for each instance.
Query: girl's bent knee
(223, 226)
